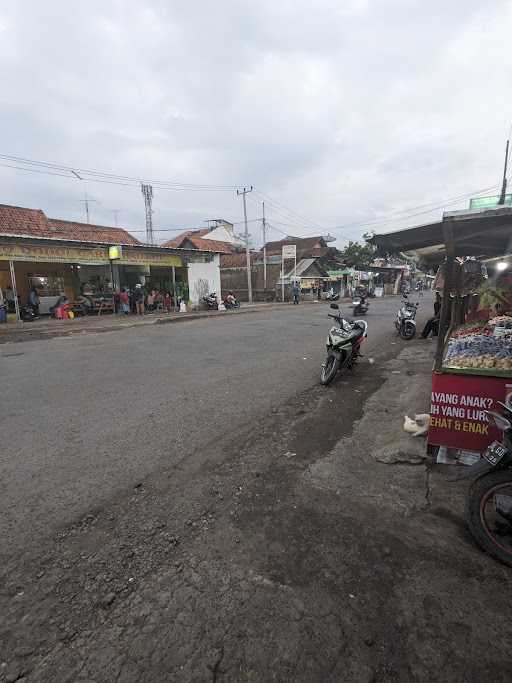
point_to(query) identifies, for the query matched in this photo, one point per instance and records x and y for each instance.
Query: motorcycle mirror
(503, 405)
(335, 306)
(501, 422)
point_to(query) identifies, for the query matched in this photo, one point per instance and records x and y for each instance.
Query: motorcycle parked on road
(343, 345)
(405, 322)
(332, 296)
(28, 314)
(489, 499)
(211, 301)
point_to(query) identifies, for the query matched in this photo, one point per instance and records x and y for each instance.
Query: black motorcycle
(28, 313)
(343, 345)
(489, 498)
(211, 301)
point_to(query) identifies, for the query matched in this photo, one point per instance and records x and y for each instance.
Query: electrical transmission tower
(147, 193)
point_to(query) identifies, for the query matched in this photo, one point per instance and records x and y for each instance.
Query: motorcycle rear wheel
(329, 369)
(479, 518)
(407, 331)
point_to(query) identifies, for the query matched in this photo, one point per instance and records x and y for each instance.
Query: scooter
(343, 345)
(360, 305)
(332, 297)
(211, 301)
(405, 322)
(231, 304)
(489, 498)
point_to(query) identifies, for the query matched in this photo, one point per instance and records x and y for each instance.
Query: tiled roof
(210, 245)
(193, 240)
(304, 244)
(178, 240)
(16, 220)
(239, 260)
(90, 233)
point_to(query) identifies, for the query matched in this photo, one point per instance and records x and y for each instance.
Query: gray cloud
(344, 111)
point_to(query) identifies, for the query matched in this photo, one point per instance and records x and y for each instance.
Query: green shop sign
(488, 202)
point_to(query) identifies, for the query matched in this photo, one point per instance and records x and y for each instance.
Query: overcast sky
(343, 112)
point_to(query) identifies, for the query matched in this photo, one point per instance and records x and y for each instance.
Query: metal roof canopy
(484, 233)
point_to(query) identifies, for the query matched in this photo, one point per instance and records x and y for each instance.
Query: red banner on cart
(457, 417)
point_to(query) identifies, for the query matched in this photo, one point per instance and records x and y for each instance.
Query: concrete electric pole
(147, 193)
(247, 250)
(264, 228)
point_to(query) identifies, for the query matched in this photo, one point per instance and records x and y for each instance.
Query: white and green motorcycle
(343, 345)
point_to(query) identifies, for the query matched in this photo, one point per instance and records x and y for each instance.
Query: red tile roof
(239, 260)
(192, 239)
(178, 240)
(16, 220)
(305, 245)
(90, 233)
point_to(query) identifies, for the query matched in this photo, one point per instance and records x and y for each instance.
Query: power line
(48, 168)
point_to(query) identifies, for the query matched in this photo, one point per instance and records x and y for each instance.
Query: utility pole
(247, 251)
(264, 228)
(504, 185)
(147, 192)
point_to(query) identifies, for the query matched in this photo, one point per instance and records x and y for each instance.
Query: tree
(358, 255)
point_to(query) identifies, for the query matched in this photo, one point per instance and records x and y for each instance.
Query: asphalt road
(84, 418)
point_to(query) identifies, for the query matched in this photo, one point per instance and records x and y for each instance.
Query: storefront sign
(457, 417)
(52, 254)
(83, 255)
(115, 252)
(135, 257)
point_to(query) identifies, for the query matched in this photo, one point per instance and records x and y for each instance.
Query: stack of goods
(482, 346)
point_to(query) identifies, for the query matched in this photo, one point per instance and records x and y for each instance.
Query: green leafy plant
(491, 295)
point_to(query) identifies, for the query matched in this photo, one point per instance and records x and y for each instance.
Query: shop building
(59, 257)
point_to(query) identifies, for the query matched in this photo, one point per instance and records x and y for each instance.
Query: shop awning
(484, 233)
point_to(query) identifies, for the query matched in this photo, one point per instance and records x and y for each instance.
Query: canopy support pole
(14, 290)
(445, 316)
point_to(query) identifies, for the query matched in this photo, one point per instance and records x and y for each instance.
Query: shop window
(47, 285)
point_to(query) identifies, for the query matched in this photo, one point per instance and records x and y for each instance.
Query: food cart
(473, 361)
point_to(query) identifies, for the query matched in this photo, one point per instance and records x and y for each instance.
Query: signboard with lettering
(87, 255)
(289, 251)
(136, 257)
(53, 254)
(457, 417)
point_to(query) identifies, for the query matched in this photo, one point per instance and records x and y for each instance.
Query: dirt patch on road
(238, 566)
